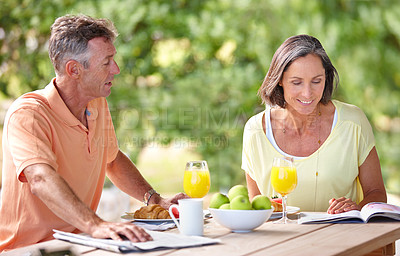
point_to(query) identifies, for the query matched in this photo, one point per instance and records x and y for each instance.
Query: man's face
(96, 80)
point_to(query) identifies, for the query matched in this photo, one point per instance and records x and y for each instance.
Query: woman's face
(303, 84)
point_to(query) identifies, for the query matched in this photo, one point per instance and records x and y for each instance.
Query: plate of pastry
(128, 216)
(150, 213)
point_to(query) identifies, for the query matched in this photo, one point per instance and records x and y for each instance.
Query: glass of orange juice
(284, 181)
(196, 180)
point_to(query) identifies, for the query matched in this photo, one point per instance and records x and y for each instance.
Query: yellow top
(331, 171)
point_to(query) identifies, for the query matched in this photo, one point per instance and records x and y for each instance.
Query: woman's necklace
(318, 123)
(319, 145)
(319, 136)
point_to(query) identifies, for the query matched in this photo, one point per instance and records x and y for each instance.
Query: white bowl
(241, 220)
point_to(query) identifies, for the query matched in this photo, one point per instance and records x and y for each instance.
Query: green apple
(217, 200)
(237, 191)
(241, 202)
(225, 206)
(261, 202)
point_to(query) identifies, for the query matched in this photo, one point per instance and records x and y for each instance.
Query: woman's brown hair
(295, 47)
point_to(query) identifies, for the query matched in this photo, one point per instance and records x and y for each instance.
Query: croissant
(153, 211)
(277, 206)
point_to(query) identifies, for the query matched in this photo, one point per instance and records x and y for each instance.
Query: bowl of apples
(236, 212)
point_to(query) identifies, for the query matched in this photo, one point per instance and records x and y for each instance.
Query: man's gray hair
(70, 36)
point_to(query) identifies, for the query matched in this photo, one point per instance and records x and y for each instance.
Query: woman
(331, 142)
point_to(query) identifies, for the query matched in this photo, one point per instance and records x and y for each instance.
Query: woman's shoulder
(255, 121)
(349, 112)
(253, 126)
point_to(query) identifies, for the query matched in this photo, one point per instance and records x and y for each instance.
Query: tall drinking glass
(284, 181)
(196, 180)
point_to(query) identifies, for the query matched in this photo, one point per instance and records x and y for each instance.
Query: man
(59, 143)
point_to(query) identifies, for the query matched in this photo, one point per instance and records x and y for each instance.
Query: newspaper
(161, 240)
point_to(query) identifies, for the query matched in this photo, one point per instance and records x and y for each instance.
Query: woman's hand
(342, 205)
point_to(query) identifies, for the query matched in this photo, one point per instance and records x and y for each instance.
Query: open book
(161, 240)
(370, 212)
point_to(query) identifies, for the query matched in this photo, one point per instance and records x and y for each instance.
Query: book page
(380, 209)
(312, 217)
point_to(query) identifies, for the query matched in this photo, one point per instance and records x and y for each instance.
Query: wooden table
(269, 239)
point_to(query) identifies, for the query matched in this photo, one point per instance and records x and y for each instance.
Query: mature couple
(59, 143)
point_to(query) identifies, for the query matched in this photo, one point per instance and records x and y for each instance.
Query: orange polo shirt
(39, 128)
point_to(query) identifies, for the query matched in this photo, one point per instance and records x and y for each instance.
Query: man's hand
(119, 231)
(342, 205)
(53, 190)
(167, 202)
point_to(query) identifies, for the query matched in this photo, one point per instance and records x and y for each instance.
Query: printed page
(88, 241)
(312, 217)
(380, 209)
(160, 240)
(169, 240)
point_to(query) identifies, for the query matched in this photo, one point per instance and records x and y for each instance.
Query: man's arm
(124, 174)
(53, 190)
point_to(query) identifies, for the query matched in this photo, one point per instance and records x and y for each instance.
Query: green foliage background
(190, 69)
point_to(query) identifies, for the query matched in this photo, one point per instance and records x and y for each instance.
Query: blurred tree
(190, 70)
